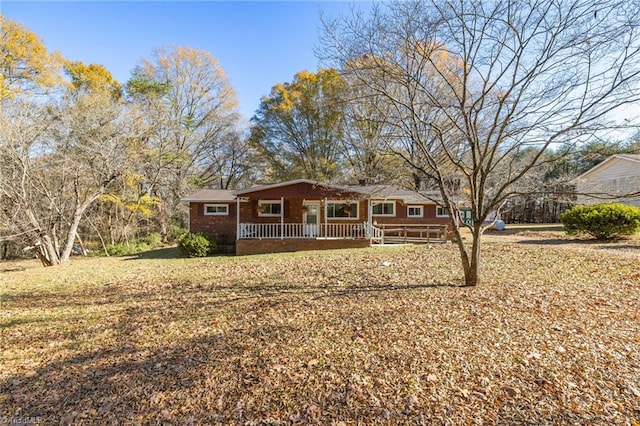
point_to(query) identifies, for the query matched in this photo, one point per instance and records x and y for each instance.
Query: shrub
(196, 245)
(603, 221)
(175, 232)
(154, 240)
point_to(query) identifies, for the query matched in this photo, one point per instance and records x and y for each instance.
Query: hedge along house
(308, 215)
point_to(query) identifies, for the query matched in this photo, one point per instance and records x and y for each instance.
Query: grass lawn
(552, 336)
(549, 227)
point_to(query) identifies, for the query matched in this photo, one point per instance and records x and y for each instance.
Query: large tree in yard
(57, 154)
(192, 136)
(298, 127)
(466, 87)
(25, 64)
(58, 159)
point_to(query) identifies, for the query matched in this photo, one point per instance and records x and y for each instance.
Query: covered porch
(301, 224)
(302, 211)
(301, 215)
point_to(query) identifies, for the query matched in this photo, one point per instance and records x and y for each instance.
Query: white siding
(619, 177)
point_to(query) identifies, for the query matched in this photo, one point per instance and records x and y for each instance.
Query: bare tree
(365, 147)
(229, 164)
(56, 162)
(468, 85)
(92, 148)
(26, 199)
(190, 108)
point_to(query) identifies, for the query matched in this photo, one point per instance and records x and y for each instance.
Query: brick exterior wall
(429, 217)
(428, 211)
(248, 247)
(223, 228)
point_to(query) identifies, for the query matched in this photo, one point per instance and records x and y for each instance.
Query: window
(216, 210)
(384, 209)
(342, 210)
(442, 212)
(269, 208)
(415, 211)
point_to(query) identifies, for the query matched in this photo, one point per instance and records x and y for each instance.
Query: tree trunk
(49, 254)
(81, 243)
(54, 238)
(470, 259)
(73, 228)
(43, 243)
(472, 269)
(163, 221)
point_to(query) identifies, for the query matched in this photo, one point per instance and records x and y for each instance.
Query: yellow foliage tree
(298, 127)
(25, 63)
(92, 78)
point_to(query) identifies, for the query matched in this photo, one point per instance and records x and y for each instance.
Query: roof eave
(600, 165)
(208, 200)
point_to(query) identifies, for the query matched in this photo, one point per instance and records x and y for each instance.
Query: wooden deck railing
(412, 233)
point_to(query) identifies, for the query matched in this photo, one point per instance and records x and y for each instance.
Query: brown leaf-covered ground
(552, 336)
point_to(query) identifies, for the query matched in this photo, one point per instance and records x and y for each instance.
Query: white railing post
(237, 218)
(369, 216)
(282, 218)
(326, 207)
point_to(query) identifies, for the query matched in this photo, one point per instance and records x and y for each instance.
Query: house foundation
(248, 247)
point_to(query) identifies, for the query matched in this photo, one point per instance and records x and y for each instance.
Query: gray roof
(380, 192)
(211, 195)
(397, 193)
(281, 184)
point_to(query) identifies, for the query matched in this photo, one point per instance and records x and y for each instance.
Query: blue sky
(259, 44)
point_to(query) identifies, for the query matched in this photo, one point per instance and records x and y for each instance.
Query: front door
(311, 218)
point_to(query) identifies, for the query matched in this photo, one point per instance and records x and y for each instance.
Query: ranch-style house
(308, 215)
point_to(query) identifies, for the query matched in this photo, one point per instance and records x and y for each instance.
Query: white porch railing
(377, 235)
(302, 230)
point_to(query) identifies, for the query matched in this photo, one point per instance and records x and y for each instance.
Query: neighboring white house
(615, 179)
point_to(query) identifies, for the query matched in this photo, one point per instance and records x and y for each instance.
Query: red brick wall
(222, 227)
(292, 211)
(428, 211)
(247, 247)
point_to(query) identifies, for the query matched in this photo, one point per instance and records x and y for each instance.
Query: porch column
(282, 218)
(369, 218)
(237, 218)
(326, 208)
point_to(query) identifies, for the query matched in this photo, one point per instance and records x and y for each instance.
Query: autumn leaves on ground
(380, 335)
